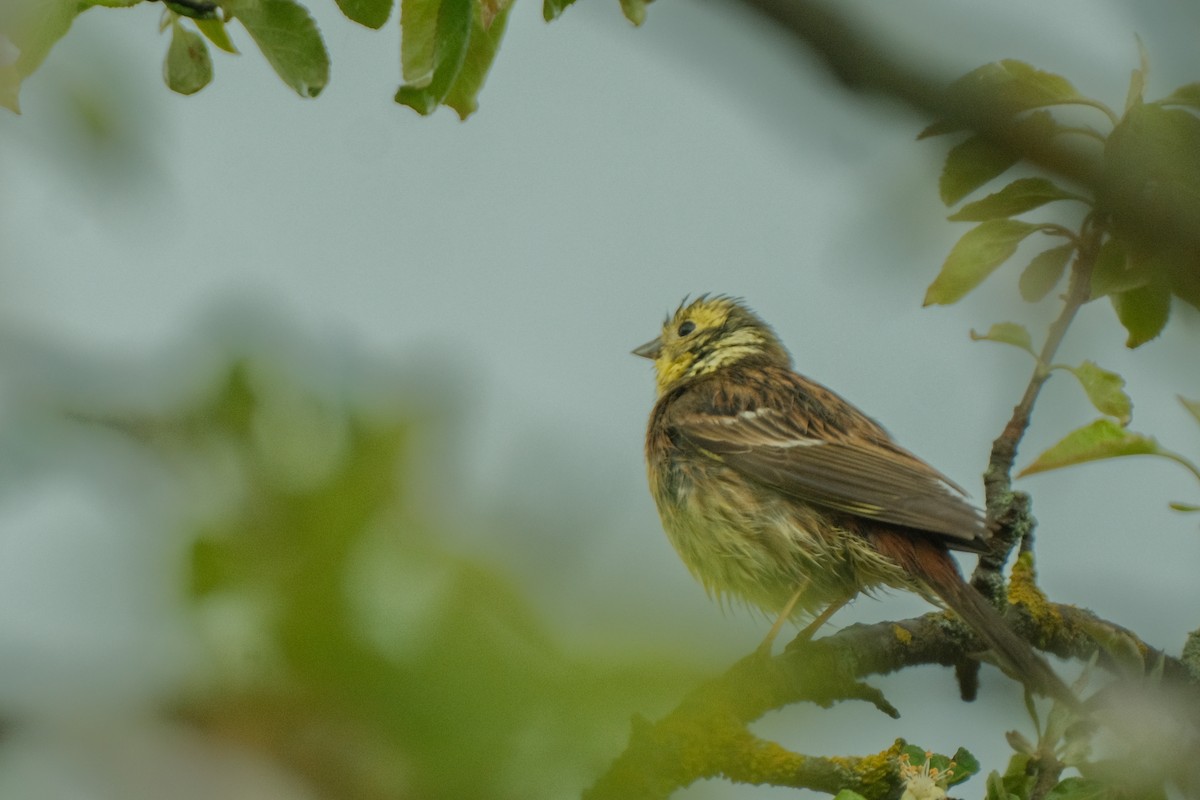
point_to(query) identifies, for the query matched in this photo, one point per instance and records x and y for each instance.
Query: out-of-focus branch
(867, 65)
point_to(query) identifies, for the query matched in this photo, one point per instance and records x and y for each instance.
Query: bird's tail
(937, 569)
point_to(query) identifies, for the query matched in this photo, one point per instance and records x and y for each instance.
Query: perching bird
(776, 491)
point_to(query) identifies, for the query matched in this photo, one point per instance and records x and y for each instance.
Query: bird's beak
(650, 349)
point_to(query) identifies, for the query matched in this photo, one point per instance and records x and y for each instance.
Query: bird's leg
(764, 649)
(811, 628)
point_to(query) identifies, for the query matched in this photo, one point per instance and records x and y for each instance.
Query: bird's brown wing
(853, 468)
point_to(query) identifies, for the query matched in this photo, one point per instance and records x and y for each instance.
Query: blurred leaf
(1192, 406)
(1114, 272)
(1101, 439)
(1007, 333)
(1020, 743)
(551, 9)
(970, 164)
(1137, 79)
(996, 789)
(1044, 272)
(1004, 88)
(33, 27)
(1150, 185)
(484, 42)
(978, 160)
(371, 13)
(1080, 789)
(1017, 781)
(1105, 389)
(192, 10)
(1023, 194)
(634, 10)
(10, 88)
(187, 67)
(214, 30)
(1187, 508)
(451, 40)
(980, 251)
(848, 794)
(1186, 95)
(288, 37)
(1143, 312)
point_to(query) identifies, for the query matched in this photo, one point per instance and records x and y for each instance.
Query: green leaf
(451, 40)
(634, 10)
(1023, 194)
(551, 9)
(1003, 89)
(974, 257)
(1044, 272)
(995, 788)
(1186, 95)
(965, 765)
(1143, 312)
(1150, 182)
(418, 39)
(1192, 406)
(1186, 508)
(1079, 789)
(848, 794)
(1137, 79)
(1114, 272)
(187, 67)
(978, 160)
(214, 30)
(1007, 333)
(371, 13)
(1101, 439)
(481, 51)
(971, 164)
(192, 10)
(1105, 389)
(10, 88)
(288, 37)
(1017, 779)
(34, 27)
(489, 10)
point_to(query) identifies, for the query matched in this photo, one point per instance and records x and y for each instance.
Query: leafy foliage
(447, 46)
(1138, 242)
(1149, 192)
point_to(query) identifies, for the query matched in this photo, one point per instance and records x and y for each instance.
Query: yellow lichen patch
(903, 635)
(1024, 591)
(770, 762)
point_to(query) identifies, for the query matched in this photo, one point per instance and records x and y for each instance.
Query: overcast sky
(519, 257)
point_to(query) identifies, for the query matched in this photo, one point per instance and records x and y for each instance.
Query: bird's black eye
(686, 327)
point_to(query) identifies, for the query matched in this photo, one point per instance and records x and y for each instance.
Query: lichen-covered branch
(706, 736)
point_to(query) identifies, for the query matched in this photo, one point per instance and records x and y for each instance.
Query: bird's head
(708, 334)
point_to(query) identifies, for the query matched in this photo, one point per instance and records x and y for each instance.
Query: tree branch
(706, 735)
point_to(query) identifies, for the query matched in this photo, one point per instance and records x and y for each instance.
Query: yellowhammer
(776, 491)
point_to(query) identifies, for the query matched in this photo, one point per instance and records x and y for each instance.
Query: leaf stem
(1050, 229)
(998, 478)
(1188, 465)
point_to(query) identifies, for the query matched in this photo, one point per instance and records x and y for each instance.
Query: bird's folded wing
(869, 479)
